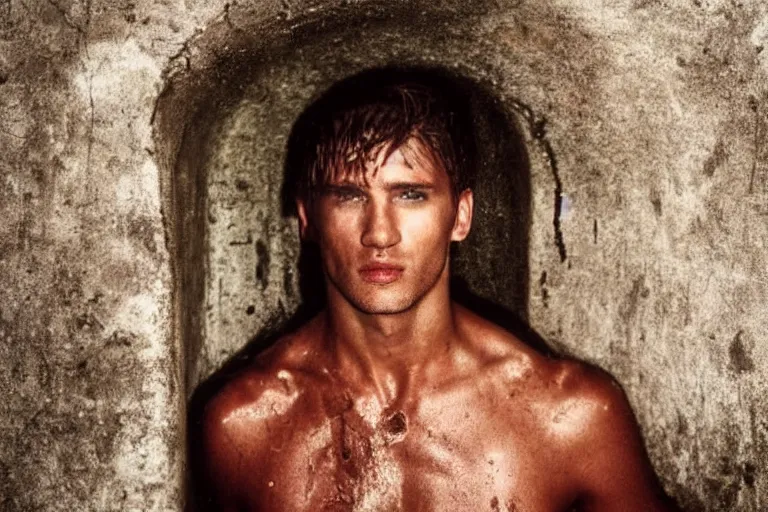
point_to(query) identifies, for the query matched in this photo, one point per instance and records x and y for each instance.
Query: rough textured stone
(143, 241)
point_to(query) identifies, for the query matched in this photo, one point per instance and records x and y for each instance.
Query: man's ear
(305, 231)
(463, 222)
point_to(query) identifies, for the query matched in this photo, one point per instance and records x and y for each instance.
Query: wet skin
(394, 398)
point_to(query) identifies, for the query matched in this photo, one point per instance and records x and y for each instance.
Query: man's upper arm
(224, 451)
(610, 457)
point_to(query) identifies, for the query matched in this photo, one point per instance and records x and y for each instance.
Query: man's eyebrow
(404, 185)
(344, 186)
(351, 186)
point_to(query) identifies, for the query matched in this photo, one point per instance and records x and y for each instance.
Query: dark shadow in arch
(493, 258)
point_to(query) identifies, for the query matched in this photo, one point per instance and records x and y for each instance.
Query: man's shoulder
(582, 415)
(573, 413)
(240, 425)
(267, 390)
(591, 426)
(558, 378)
(580, 389)
(257, 386)
(566, 392)
(582, 411)
(240, 412)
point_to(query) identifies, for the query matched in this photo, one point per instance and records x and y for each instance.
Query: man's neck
(389, 353)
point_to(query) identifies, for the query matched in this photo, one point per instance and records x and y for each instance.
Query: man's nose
(380, 228)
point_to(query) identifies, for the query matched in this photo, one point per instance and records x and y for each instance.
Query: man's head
(382, 186)
(364, 119)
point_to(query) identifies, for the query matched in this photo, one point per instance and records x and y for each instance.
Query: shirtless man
(395, 398)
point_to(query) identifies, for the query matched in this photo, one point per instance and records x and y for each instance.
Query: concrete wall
(142, 243)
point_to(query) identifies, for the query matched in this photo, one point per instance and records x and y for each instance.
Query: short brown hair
(380, 111)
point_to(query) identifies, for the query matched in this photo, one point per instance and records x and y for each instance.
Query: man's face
(384, 241)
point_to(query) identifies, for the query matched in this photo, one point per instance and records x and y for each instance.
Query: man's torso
(493, 438)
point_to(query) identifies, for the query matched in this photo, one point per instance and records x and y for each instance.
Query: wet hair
(362, 120)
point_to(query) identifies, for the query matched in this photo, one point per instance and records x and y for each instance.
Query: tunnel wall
(645, 126)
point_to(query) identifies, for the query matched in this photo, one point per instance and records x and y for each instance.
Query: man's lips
(381, 273)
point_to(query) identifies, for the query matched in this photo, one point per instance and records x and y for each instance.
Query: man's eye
(413, 195)
(349, 195)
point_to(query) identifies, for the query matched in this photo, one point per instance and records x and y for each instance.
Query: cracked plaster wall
(647, 241)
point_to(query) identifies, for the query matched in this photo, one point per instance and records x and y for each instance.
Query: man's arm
(609, 457)
(224, 451)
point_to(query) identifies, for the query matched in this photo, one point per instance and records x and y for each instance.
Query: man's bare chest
(409, 461)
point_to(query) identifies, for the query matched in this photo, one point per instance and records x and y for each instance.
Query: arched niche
(221, 127)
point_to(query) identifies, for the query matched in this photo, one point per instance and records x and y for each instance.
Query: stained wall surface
(142, 242)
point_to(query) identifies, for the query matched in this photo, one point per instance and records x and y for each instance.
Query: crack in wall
(85, 36)
(559, 241)
(537, 128)
(92, 123)
(754, 106)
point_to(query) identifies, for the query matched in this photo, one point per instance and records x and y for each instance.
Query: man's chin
(382, 309)
(383, 305)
